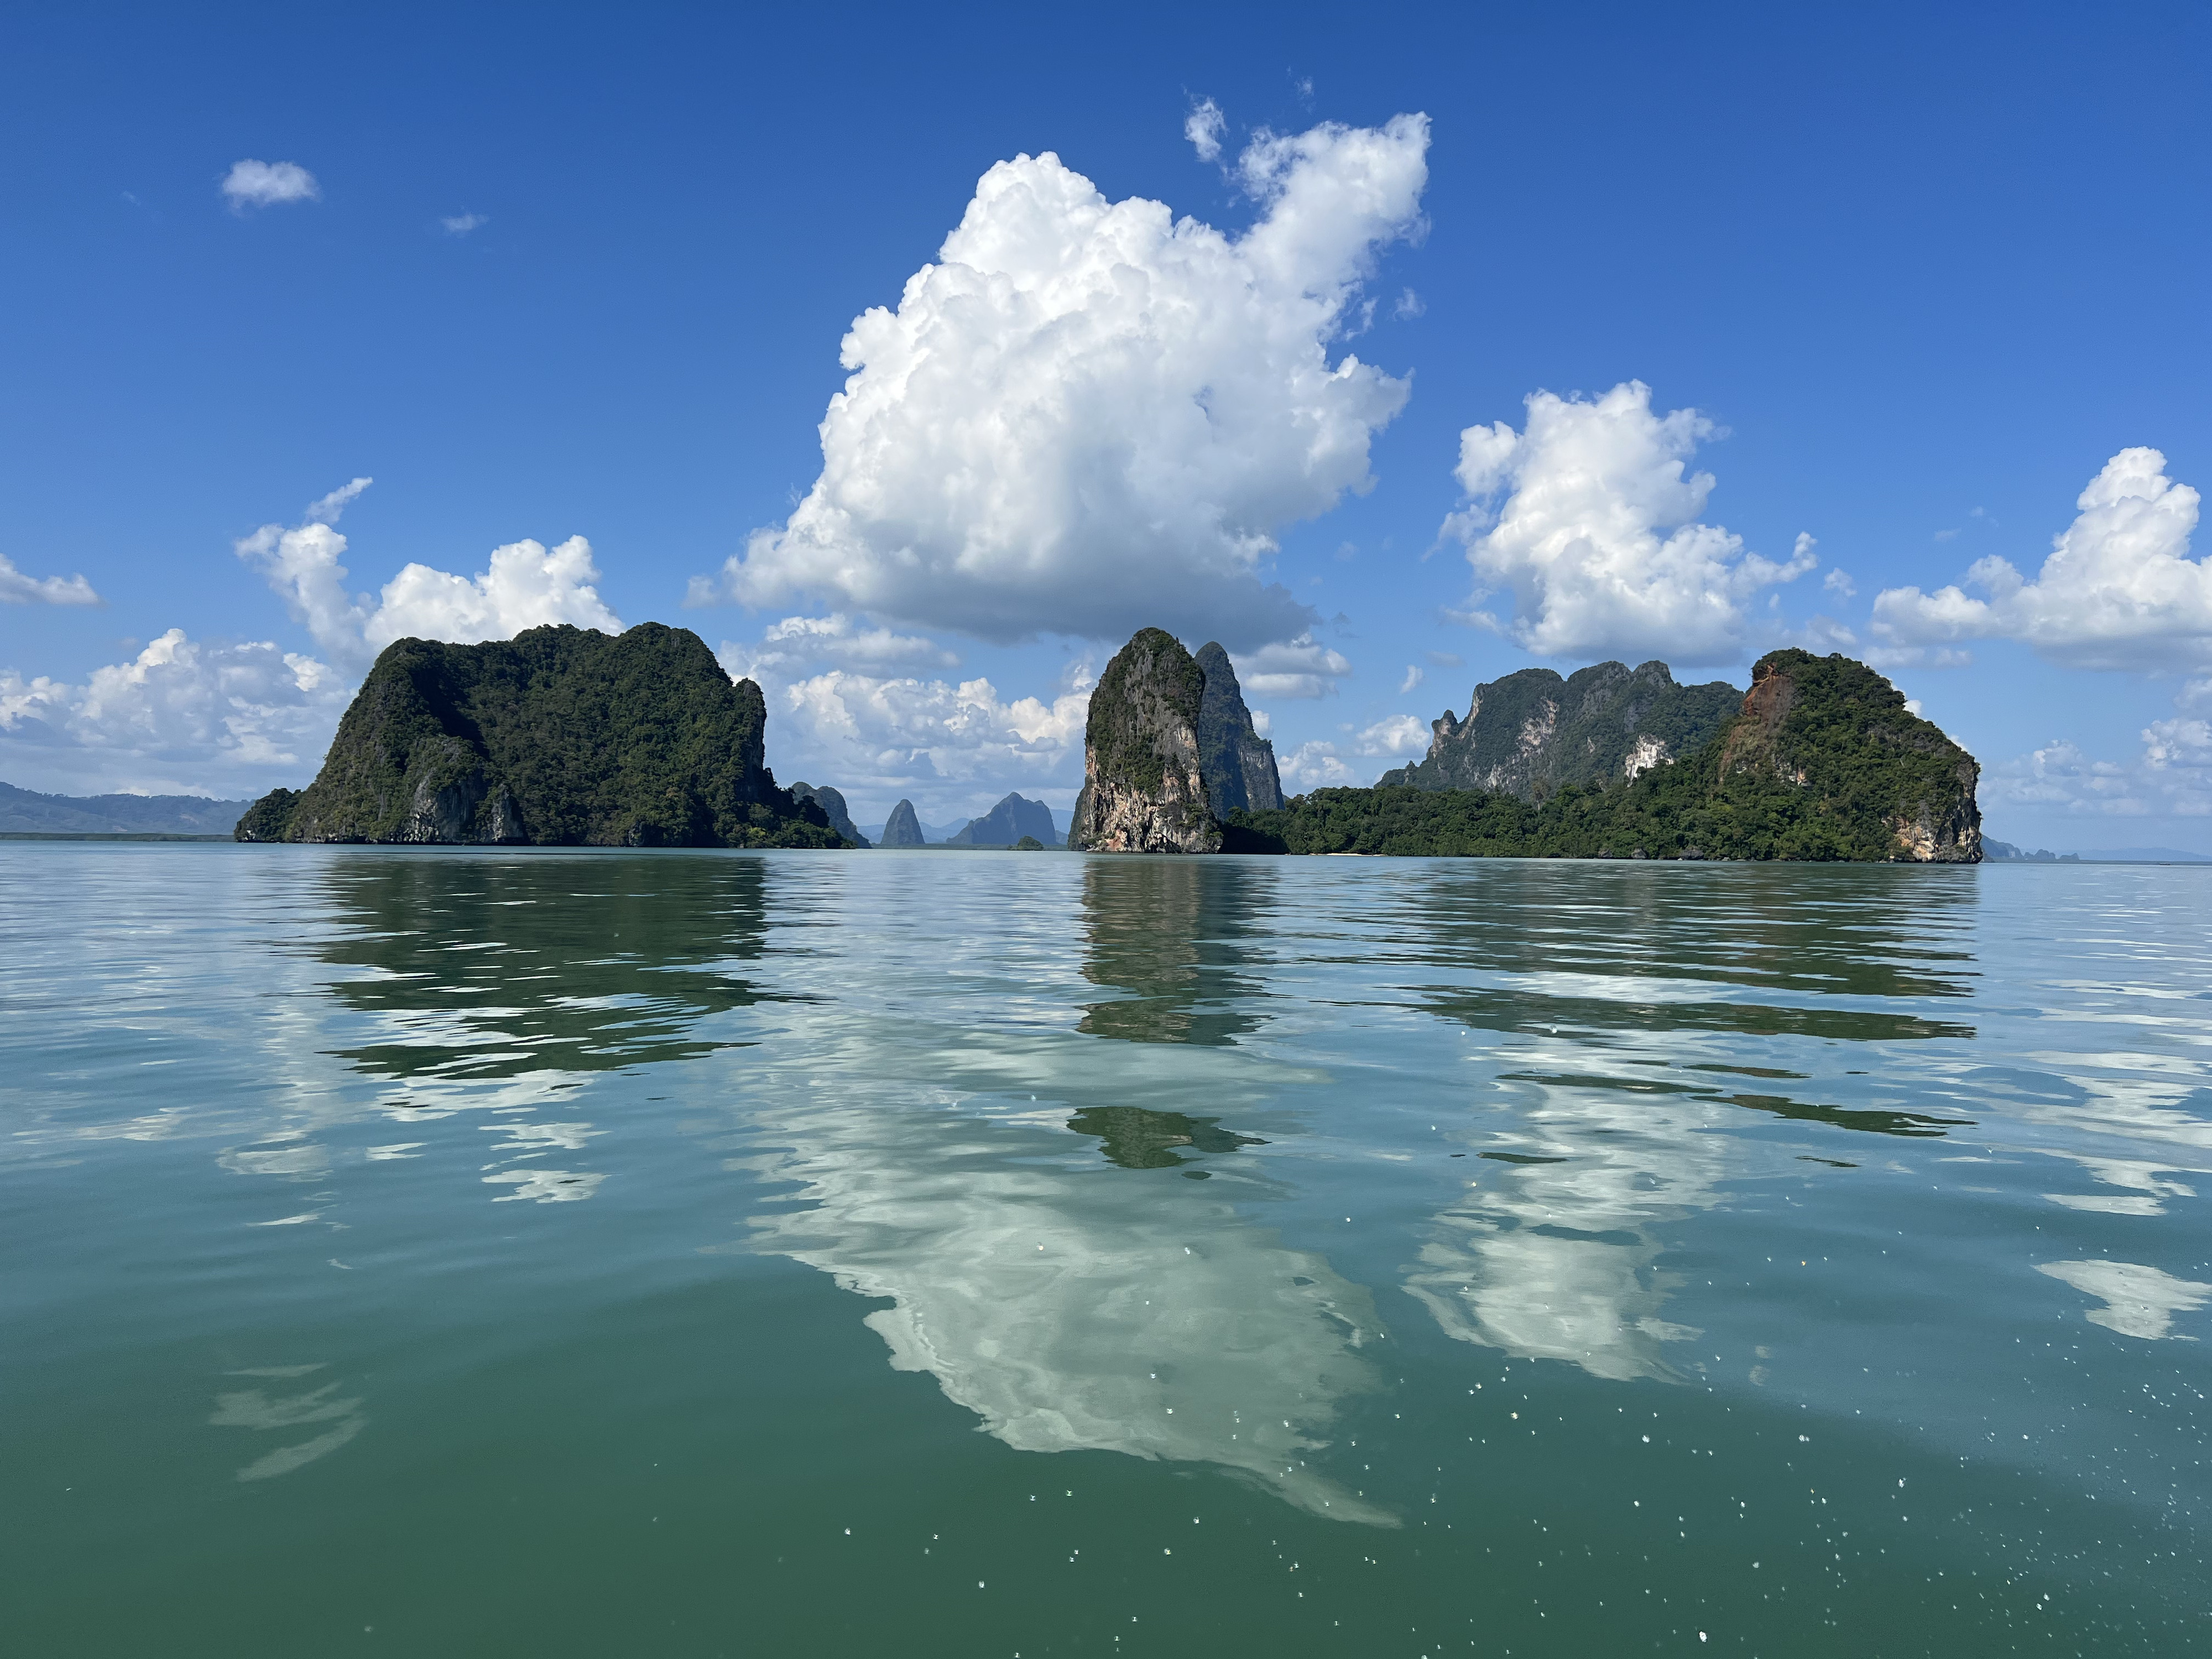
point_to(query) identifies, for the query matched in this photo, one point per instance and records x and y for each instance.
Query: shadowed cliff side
(902, 829)
(1237, 763)
(561, 736)
(832, 803)
(1144, 790)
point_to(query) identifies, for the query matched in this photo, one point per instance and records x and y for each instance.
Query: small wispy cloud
(16, 588)
(1203, 127)
(460, 224)
(1839, 584)
(1410, 304)
(269, 184)
(1414, 677)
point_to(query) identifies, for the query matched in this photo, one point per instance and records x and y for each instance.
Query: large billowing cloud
(1089, 415)
(1587, 519)
(16, 588)
(526, 585)
(2118, 590)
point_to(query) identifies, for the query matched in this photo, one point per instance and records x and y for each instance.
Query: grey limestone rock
(904, 828)
(1007, 823)
(1143, 788)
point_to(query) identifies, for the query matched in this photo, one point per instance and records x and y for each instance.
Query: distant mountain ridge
(1532, 733)
(25, 812)
(1007, 823)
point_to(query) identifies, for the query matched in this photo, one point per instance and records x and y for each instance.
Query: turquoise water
(542, 1253)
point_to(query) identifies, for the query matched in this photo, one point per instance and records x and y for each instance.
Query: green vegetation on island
(1823, 761)
(561, 736)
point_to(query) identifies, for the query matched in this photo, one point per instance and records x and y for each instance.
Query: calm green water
(437, 1252)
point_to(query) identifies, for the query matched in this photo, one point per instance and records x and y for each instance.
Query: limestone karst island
(565, 736)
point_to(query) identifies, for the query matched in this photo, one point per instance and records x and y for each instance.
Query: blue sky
(1922, 275)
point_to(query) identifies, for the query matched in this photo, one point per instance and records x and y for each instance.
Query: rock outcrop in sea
(1144, 787)
(1886, 783)
(833, 807)
(1005, 823)
(1532, 733)
(903, 827)
(1237, 764)
(561, 736)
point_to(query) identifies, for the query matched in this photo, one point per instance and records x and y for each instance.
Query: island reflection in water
(1005, 1146)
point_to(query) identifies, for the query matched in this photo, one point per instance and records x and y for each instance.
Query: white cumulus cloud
(2171, 777)
(950, 746)
(16, 588)
(1089, 415)
(525, 586)
(1398, 735)
(460, 224)
(1587, 519)
(182, 715)
(2118, 590)
(266, 183)
(1303, 667)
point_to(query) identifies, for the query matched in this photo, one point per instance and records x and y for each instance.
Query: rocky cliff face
(559, 737)
(1237, 764)
(1533, 732)
(1007, 823)
(1884, 783)
(833, 807)
(902, 829)
(1144, 788)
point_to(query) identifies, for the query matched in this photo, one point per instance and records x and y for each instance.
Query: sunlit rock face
(1531, 732)
(1144, 788)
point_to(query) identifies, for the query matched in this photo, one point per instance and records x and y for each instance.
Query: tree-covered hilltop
(1822, 762)
(561, 736)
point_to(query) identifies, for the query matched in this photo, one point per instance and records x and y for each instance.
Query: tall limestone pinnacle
(1238, 763)
(1144, 787)
(902, 829)
(560, 737)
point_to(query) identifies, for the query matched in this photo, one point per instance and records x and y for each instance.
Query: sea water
(434, 1252)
